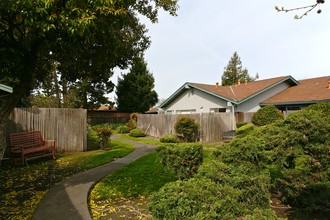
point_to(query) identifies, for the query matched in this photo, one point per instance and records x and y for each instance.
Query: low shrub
(245, 129)
(267, 115)
(136, 133)
(169, 138)
(187, 128)
(195, 199)
(182, 160)
(201, 198)
(122, 129)
(240, 124)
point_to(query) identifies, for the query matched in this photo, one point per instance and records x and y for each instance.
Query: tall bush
(132, 123)
(187, 128)
(182, 160)
(267, 115)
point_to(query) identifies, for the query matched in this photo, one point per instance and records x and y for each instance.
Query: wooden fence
(68, 127)
(100, 117)
(212, 125)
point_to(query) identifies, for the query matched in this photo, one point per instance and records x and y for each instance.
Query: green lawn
(22, 187)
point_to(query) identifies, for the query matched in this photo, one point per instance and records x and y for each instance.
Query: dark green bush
(267, 115)
(169, 138)
(245, 129)
(136, 133)
(187, 128)
(246, 150)
(122, 129)
(252, 184)
(240, 124)
(196, 199)
(297, 153)
(182, 160)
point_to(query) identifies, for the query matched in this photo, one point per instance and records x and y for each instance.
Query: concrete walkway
(67, 200)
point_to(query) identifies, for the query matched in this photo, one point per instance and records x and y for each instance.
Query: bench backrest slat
(30, 138)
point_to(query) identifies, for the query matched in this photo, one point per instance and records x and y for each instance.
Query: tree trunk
(19, 91)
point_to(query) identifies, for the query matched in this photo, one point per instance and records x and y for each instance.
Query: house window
(218, 109)
(169, 112)
(187, 111)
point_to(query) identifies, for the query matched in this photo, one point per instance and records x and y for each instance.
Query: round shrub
(267, 115)
(136, 133)
(169, 138)
(245, 129)
(187, 128)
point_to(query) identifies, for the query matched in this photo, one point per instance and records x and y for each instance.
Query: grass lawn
(124, 193)
(22, 187)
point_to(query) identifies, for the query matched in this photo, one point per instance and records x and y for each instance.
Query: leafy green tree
(234, 72)
(88, 39)
(135, 90)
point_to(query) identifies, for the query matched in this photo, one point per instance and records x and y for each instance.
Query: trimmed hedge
(182, 160)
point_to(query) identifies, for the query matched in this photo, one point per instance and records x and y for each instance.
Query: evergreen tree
(234, 72)
(135, 90)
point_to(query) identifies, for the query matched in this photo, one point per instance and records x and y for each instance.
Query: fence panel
(212, 124)
(68, 127)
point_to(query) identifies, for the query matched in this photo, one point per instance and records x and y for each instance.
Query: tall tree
(235, 72)
(135, 90)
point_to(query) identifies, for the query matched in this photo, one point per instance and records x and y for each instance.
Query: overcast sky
(196, 45)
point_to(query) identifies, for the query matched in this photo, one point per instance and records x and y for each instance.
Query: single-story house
(284, 92)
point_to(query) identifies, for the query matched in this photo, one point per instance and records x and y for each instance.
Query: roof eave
(214, 94)
(188, 85)
(290, 78)
(294, 103)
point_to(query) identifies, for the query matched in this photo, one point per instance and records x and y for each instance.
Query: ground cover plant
(22, 187)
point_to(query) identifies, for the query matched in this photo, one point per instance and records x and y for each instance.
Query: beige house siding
(195, 101)
(252, 105)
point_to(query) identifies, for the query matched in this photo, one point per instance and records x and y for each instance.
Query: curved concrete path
(68, 199)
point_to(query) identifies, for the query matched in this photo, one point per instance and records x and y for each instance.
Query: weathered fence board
(68, 127)
(212, 125)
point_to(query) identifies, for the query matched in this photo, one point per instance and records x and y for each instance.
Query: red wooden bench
(25, 146)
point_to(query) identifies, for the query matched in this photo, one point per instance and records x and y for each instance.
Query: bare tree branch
(309, 9)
